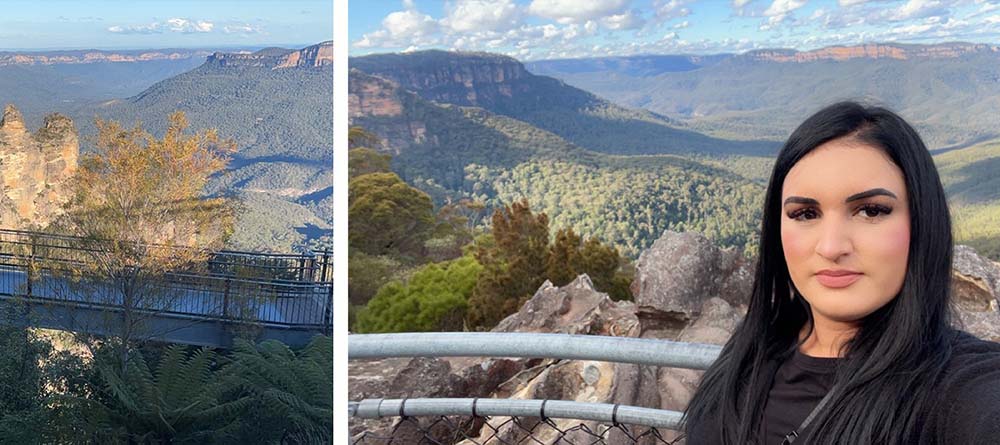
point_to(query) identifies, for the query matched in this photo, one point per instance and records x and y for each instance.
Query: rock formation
(373, 96)
(686, 289)
(873, 51)
(34, 168)
(319, 55)
(95, 56)
(459, 78)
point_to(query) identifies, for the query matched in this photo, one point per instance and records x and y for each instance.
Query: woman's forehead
(838, 169)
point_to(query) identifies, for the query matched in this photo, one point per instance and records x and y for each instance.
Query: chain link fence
(467, 421)
(479, 430)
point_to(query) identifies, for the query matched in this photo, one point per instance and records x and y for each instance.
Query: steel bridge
(287, 297)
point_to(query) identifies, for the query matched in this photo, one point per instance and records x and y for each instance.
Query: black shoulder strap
(790, 437)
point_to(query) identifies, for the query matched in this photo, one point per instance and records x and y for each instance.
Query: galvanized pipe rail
(527, 345)
(607, 413)
(640, 351)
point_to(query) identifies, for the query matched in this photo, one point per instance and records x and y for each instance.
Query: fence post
(31, 265)
(328, 313)
(225, 299)
(302, 269)
(326, 263)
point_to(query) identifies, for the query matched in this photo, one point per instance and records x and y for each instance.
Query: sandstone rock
(682, 270)
(976, 293)
(34, 168)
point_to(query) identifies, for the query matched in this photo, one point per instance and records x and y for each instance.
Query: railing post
(328, 312)
(302, 269)
(326, 263)
(225, 299)
(31, 266)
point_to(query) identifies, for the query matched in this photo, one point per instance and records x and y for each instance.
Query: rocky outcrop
(96, 56)
(687, 290)
(310, 56)
(374, 97)
(460, 78)
(873, 51)
(34, 168)
(676, 275)
(976, 293)
(320, 55)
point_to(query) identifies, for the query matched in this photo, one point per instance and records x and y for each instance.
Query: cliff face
(468, 79)
(34, 168)
(371, 96)
(277, 58)
(873, 51)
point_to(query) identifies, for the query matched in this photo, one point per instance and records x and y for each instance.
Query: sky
(553, 29)
(151, 24)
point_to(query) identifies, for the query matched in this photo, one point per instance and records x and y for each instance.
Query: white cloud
(914, 9)
(847, 3)
(244, 28)
(185, 25)
(682, 25)
(740, 3)
(629, 20)
(409, 23)
(575, 11)
(783, 7)
(408, 28)
(671, 9)
(180, 25)
(985, 8)
(778, 12)
(476, 15)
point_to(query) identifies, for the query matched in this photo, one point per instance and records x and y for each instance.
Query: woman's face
(844, 209)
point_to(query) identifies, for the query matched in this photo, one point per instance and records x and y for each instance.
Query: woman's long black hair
(888, 368)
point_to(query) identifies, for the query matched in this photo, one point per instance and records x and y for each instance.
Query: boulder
(682, 270)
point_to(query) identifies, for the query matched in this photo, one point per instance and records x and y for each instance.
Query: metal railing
(517, 420)
(276, 289)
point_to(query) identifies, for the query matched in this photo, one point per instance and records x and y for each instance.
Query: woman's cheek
(794, 245)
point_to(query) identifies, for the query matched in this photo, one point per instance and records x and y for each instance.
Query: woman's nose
(834, 240)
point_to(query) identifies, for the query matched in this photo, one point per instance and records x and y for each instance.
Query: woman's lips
(837, 282)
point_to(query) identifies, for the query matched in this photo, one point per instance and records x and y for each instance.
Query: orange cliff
(34, 168)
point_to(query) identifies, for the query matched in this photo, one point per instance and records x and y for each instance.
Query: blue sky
(545, 29)
(144, 24)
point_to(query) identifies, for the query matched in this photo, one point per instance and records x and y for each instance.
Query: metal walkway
(265, 296)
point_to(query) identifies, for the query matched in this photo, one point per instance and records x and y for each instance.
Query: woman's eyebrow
(854, 197)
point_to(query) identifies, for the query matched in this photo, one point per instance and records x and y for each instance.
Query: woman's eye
(803, 214)
(874, 211)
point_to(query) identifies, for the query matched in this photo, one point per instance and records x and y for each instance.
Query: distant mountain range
(74, 57)
(483, 126)
(502, 85)
(276, 103)
(491, 154)
(951, 91)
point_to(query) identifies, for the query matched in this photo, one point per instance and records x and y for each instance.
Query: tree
(388, 216)
(564, 262)
(138, 210)
(433, 299)
(362, 161)
(513, 264)
(359, 137)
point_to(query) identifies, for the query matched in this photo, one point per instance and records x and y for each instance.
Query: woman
(851, 303)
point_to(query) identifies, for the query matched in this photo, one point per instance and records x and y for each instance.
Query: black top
(966, 409)
(799, 384)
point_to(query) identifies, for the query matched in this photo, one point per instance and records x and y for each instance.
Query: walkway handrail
(640, 351)
(557, 409)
